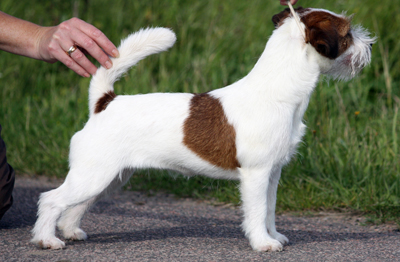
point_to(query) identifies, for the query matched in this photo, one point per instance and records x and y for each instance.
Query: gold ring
(71, 50)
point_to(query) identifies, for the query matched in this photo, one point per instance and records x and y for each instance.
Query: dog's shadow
(23, 214)
(215, 228)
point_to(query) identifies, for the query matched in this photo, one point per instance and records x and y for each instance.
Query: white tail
(132, 49)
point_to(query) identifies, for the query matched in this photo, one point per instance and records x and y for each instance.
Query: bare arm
(18, 36)
(50, 43)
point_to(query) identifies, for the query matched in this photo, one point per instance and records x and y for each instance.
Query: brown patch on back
(103, 102)
(328, 34)
(208, 133)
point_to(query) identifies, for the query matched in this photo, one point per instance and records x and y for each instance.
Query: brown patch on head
(327, 33)
(208, 133)
(279, 18)
(103, 102)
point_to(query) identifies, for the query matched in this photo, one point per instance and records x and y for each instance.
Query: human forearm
(51, 43)
(19, 36)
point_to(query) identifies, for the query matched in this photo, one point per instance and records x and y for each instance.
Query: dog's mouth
(352, 63)
(347, 60)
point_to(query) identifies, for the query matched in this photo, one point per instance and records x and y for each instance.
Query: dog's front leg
(271, 203)
(253, 188)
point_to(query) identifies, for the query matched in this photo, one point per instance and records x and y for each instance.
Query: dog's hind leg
(81, 188)
(253, 188)
(70, 219)
(271, 204)
(50, 208)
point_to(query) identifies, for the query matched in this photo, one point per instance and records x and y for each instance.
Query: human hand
(54, 42)
(284, 2)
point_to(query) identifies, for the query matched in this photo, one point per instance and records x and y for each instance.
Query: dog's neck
(287, 68)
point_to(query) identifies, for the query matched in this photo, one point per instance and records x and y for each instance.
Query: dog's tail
(132, 49)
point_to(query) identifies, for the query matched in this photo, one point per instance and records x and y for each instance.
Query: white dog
(245, 131)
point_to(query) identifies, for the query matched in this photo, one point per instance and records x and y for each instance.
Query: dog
(245, 131)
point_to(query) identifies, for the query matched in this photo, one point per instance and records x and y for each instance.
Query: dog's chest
(298, 128)
(265, 131)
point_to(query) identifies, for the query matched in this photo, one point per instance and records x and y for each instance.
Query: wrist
(43, 36)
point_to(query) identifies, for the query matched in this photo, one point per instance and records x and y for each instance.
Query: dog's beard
(351, 62)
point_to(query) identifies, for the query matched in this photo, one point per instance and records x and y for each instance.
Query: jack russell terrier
(245, 131)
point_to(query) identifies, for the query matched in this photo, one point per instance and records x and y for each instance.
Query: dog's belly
(196, 167)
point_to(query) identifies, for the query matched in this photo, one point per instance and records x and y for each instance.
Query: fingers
(91, 47)
(79, 63)
(284, 2)
(57, 40)
(93, 41)
(98, 36)
(76, 61)
(54, 51)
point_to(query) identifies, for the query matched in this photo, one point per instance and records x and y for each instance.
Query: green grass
(350, 157)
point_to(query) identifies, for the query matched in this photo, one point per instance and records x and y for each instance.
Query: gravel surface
(130, 226)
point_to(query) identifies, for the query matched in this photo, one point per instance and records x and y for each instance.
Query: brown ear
(278, 18)
(324, 41)
(328, 34)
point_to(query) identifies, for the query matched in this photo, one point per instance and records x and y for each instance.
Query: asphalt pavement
(132, 226)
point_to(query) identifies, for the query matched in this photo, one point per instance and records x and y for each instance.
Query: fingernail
(87, 75)
(108, 64)
(115, 53)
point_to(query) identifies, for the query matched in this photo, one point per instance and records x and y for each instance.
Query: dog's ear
(326, 42)
(328, 34)
(278, 18)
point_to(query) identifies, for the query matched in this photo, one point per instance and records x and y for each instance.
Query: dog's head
(344, 49)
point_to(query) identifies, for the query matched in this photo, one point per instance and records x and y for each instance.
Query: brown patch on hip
(208, 133)
(103, 102)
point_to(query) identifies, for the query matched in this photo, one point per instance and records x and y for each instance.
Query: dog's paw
(268, 245)
(51, 243)
(77, 234)
(281, 238)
